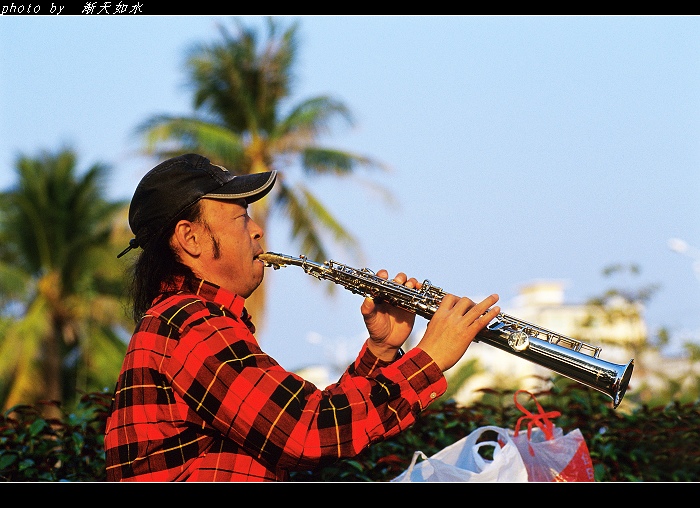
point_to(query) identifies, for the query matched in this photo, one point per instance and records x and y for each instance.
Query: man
(197, 399)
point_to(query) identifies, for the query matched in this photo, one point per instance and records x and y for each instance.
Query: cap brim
(250, 187)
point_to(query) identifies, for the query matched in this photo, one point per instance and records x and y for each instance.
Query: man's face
(231, 244)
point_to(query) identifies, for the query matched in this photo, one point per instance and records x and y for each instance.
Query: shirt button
(433, 395)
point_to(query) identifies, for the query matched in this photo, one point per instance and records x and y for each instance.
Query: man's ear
(187, 238)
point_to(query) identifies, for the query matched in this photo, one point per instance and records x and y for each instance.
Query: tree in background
(243, 123)
(657, 379)
(61, 288)
(624, 306)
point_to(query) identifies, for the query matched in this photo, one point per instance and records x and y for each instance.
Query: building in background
(541, 303)
(618, 328)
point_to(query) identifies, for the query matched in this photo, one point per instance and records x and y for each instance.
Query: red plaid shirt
(198, 400)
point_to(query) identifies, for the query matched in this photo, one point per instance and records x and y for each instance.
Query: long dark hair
(157, 267)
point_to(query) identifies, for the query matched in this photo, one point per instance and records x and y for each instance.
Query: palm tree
(240, 86)
(61, 288)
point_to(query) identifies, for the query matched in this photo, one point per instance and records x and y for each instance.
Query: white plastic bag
(462, 462)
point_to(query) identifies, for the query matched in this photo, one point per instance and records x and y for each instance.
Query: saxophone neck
(277, 261)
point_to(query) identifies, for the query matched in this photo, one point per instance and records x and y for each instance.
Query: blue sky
(520, 148)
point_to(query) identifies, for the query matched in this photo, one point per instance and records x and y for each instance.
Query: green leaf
(6, 460)
(37, 427)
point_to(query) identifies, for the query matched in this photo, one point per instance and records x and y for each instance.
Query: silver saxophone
(566, 356)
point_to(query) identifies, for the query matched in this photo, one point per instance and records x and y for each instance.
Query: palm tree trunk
(52, 366)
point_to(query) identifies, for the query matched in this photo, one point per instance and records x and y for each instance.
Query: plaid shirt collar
(213, 293)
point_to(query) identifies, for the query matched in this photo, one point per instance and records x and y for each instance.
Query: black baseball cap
(177, 183)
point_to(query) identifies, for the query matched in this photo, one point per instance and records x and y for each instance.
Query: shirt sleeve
(228, 383)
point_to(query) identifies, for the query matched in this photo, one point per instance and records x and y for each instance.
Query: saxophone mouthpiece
(274, 260)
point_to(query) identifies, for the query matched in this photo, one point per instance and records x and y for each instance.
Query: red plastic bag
(550, 455)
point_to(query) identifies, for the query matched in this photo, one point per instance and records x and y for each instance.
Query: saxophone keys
(519, 341)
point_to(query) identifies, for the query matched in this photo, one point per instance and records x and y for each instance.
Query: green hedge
(646, 444)
(34, 448)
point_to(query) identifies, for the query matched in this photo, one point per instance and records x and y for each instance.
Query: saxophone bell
(564, 355)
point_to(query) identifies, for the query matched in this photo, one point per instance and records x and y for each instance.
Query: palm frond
(311, 221)
(20, 355)
(314, 117)
(169, 136)
(316, 160)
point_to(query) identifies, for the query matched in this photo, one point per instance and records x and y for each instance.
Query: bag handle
(541, 419)
(416, 454)
(480, 461)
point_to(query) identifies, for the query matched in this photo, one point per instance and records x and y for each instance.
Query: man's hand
(388, 326)
(454, 326)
